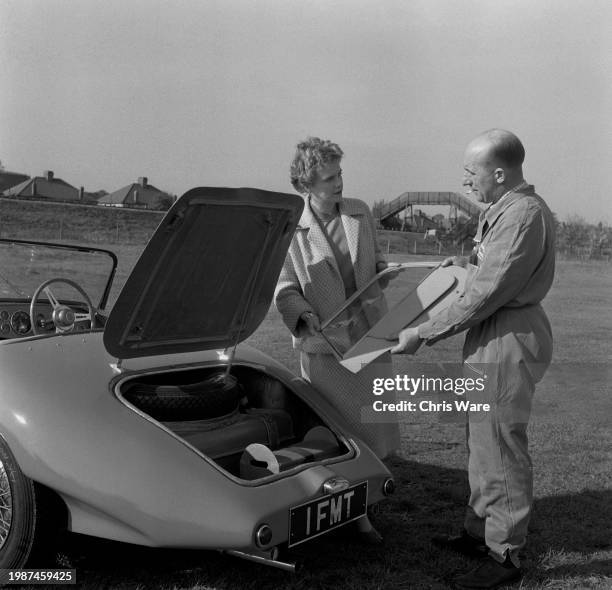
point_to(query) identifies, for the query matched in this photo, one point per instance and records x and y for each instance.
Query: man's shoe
(463, 543)
(490, 574)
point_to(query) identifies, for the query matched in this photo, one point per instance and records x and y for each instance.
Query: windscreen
(24, 266)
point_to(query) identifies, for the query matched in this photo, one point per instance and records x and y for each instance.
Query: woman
(334, 252)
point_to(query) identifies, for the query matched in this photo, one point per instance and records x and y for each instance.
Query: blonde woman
(334, 252)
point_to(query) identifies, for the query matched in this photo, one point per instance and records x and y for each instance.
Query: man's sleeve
(512, 254)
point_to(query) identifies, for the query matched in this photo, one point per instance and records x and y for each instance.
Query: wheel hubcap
(6, 505)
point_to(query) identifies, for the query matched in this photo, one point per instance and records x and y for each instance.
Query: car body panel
(124, 477)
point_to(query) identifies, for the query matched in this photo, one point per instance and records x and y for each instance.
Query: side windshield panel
(369, 322)
(368, 306)
(26, 265)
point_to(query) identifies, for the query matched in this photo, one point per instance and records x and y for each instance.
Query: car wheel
(19, 513)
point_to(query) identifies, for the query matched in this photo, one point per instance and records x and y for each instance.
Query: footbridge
(406, 200)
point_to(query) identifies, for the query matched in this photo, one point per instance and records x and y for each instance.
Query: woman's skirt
(352, 395)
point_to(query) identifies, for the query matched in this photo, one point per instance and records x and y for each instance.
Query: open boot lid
(207, 276)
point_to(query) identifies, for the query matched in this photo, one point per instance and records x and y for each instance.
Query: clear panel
(24, 266)
(364, 309)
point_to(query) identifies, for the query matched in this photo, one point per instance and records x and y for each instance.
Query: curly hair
(311, 154)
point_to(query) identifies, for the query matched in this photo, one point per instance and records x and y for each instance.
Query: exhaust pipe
(272, 561)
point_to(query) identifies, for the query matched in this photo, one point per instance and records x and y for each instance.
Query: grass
(73, 222)
(570, 541)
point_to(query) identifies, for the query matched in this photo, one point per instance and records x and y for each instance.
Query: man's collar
(494, 210)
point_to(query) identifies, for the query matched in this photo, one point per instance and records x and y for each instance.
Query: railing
(453, 199)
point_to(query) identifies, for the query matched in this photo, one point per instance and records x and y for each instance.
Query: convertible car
(153, 424)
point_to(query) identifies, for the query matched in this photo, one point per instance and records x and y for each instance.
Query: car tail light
(263, 535)
(388, 487)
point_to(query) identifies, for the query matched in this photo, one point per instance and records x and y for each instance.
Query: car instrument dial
(20, 322)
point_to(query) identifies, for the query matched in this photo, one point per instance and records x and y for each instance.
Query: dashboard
(15, 321)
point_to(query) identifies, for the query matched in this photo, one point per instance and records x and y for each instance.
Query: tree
(376, 208)
(573, 235)
(463, 230)
(165, 201)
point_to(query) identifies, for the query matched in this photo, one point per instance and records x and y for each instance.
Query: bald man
(509, 343)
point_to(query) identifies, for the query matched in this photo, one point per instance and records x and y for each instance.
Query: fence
(105, 225)
(584, 254)
(396, 242)
(76, 223)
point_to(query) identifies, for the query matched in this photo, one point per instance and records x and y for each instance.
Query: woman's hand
(380, 266)
(310, 323)
(384, 280)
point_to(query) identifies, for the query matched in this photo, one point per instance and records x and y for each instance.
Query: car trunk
(248, 422)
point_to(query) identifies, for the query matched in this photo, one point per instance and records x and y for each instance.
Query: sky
(218, 93)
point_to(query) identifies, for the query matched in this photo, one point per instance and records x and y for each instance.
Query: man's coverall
(510, 341)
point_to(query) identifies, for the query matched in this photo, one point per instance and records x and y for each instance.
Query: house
(10, 179)
(139, 194)
(45, 187)
(419, 222)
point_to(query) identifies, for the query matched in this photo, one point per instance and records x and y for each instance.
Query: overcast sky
(203, 92)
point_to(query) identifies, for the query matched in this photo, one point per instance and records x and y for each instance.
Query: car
(153, 423)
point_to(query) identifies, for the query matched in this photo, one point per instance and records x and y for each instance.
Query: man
(509, 342)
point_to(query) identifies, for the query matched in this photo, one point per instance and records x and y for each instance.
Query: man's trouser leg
(499, 469)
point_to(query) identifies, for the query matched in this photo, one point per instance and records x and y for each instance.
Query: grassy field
(72, 222)
(119, 226)
(570, 542)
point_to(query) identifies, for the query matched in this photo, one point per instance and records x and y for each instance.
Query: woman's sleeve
(289, 298)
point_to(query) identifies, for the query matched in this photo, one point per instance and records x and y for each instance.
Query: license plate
(319, 516)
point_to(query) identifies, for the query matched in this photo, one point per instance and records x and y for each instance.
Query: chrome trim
(335, 484)
(271, 561)
(6, 505)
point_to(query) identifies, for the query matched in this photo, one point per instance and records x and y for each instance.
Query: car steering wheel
(64, 317)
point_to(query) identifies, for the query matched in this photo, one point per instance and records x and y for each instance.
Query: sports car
(153, 423)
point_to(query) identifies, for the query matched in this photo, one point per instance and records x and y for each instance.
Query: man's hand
(311, 323)
(409, 342)
(455, 261)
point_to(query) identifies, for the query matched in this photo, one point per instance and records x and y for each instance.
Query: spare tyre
(215, 396)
